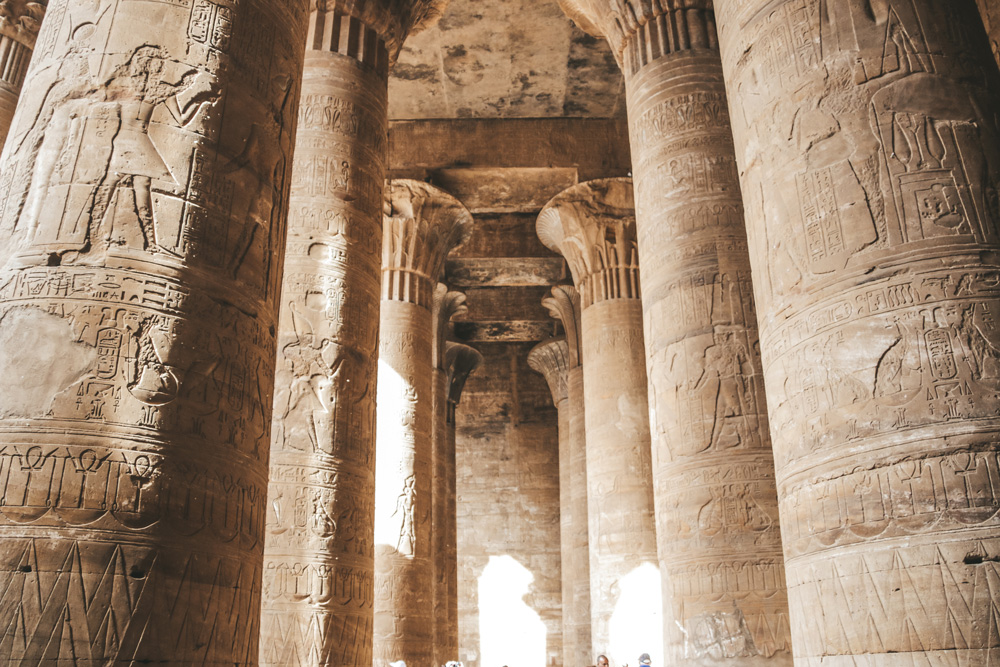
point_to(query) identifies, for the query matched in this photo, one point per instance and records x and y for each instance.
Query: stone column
(716, 502)
(869, 154)
(564, 305)
(19, 24)
(144, 198)
(593, 226)
(551, 359)
(460, 362)
(446, 306)
(319, 557)
(989, 11)
(423, 226)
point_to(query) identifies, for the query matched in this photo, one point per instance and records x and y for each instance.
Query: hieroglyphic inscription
(716, 501)
(143, 210)
(319, 558)
(873, 225)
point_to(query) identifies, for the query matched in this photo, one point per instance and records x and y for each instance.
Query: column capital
(373, 31)
(447, 305)
(460, 362)
(640, 31)
(551, 359)
(422, 224)
(21, 19)
(564, 305)
(592, 225)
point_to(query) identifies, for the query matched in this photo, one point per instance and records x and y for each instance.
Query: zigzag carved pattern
(317, 639)
(88, 604)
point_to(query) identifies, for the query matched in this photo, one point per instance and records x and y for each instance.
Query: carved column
(424, 224)
(564, 305)
(989, 11)
(319, 558)
(446, 306)
(144, 200)
(551, 359)
(716, 502)
(20, 21)
(873, 234)
(593, 226)
(460, 362)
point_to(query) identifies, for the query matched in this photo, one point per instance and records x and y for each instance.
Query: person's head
(602, 661)
(644, 659)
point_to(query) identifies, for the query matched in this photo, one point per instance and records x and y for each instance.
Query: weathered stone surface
(872, 222)
(144, 188)
(421, 227)
(20, 21)
(552, 359)
(460, 362)
(508, 512)
(597, 148)
(564, 305)
(517, 58)
(989, 10)
(506, 272)
(593, 226)
(319, 555)
(446, 306)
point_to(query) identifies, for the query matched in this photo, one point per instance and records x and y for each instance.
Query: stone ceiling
(505, 59)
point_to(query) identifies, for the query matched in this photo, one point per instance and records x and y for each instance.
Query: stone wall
(508, 498)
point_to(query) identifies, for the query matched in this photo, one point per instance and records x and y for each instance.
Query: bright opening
(636, 625)
(510, 632)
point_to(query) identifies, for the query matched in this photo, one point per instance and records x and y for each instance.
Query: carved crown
(592, 225)
(551, 359)
(564, 305)
(460, 362)
(392, 20)
(21, 19)
(640, 31)
(446, 306)
(421, 225)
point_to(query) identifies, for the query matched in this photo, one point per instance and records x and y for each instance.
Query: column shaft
(319, 567)
(460, 362)
(619, 480)
(422, 227)
(989, 11)
(144, 199)
(869, 158)
(439, 517)
(552, 359)
(404, 604)
(579, 649)
(593, 226)
(716, 502)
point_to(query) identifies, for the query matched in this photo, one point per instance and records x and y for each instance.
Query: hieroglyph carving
(421, 226)
(873, 237)
(319, 557)
(143, 199)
